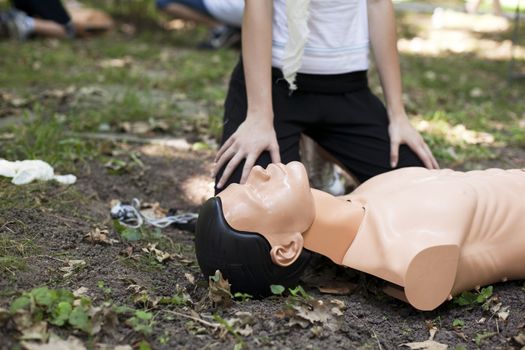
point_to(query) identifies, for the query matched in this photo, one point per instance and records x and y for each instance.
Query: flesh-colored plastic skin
(432, 233)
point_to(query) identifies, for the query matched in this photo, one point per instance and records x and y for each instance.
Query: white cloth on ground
(26, 171)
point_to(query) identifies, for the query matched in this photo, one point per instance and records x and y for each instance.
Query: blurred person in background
(47, 18)
(222, 17)
(51, 19)
(472, 6)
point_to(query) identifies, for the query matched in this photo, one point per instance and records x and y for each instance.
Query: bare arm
(383, 38)
(257, 55)
(256, 134)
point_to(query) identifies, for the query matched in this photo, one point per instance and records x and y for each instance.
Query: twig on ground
(377, 339)
(209, 324)
(176, 143)
(12, 222)
(47, 257)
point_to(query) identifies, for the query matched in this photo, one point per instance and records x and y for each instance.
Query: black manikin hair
(242, 257)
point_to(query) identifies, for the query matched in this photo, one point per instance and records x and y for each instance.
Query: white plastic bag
(26, 171)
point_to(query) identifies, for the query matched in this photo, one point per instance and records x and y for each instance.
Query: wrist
(396, 113)
(260, 112)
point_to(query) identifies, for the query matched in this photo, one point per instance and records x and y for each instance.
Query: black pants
(339, 112)
(51, 10)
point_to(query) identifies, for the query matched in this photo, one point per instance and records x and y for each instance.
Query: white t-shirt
(338, 41)
(227, 11)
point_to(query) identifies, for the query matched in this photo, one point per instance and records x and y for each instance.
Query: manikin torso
(436, 233)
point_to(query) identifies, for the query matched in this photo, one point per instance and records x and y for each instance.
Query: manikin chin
(430, 233)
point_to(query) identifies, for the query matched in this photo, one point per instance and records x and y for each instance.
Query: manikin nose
(260, 173)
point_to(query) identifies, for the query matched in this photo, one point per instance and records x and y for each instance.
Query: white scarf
(297, 13)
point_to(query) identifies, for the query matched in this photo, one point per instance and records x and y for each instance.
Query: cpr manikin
(430, 233)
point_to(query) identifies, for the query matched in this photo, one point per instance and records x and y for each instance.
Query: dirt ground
(369, 320)
(149, 293)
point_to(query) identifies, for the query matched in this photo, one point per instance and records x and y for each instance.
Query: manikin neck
(335, 226)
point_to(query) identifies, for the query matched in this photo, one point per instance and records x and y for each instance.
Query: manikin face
(276, 202)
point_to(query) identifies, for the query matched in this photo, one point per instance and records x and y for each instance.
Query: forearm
(257, 51)
(382, 28)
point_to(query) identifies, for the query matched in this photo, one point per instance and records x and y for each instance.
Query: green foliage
(179, 299)
(136, 234)
(458, 323)
(20, 303)
(106, 290)
(230, 329)
(61, 313)
(277, 289)
(141, 321)
(242, 296)
(299, 292)
(79, 319)
(56, 306)
(480, 337)
(144, 345)
(470, 298)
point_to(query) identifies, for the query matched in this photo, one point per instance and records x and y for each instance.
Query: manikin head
(253, 232)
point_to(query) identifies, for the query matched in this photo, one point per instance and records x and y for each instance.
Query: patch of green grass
(13, 252)
(144, 262)
(44, 137)
(160, 77)
(66, 201)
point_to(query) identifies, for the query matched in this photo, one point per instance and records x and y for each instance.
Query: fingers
(394, 153)
(248, 165)
(232, 164)
(435, 164)
(274, 153)
(223, 148)
(423, 152)
(226, 155)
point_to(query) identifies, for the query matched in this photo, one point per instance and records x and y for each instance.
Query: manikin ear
(285, 255)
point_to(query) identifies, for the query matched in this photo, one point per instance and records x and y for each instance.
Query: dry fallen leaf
(112, 347)
(55, 343)
(241, 325)
(430, 343)
(116, 62)
(219, 290)
(520, 338)
(504, 313)
(73, 265)
(190, 278)
(426, 345)
(103, 316)
(338, 288)
(153, 210)
(159, 255)
(4, 315)
(315, 312)
(37, 331)
(128, 253)
(82, 291)
(99, 236)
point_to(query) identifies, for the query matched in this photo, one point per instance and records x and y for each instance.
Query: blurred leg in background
(47, 18)
(473, 7)
(222, 17)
